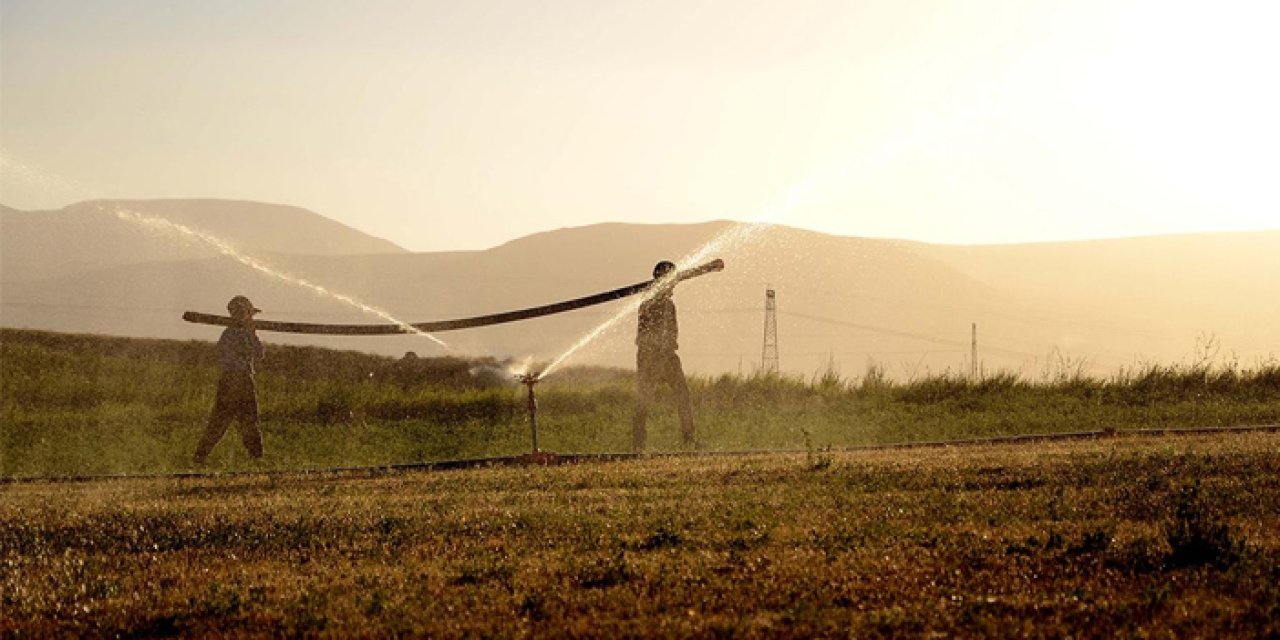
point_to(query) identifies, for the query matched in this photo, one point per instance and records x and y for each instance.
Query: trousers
(654, 368)
(237, 401)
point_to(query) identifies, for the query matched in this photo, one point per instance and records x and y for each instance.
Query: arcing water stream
(49, 182)
(727, 240)
(730, 237)
(229, 251)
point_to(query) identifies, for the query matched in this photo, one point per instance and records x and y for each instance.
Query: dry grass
(1172, 536)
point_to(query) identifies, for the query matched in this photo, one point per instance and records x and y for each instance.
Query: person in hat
(237, 398)
(656, 359)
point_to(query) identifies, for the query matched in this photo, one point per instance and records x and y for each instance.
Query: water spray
(224, 248)
(657, 284)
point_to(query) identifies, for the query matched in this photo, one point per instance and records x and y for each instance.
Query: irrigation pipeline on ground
(460, 323)
(544, 458)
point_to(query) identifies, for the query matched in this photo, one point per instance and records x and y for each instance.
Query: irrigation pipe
(460, 323)
(547, 459)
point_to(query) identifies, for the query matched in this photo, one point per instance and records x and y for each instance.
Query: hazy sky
(443, 125)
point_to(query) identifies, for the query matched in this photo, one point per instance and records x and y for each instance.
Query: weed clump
(602, 573)
(662, 538)
(1196, 534)
(816, 458)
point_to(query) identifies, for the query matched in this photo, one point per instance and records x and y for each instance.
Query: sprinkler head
(529, 379)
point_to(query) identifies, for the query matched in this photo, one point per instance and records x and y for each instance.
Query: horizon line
(712, 221)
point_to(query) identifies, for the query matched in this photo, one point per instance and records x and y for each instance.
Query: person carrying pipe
(237, 397)
(656, 359)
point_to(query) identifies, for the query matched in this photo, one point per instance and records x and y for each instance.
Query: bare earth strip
(1142, 535)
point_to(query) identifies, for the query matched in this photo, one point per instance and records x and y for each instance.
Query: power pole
(973, 354)
(769, 353)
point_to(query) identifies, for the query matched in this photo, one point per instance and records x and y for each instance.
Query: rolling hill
(89, 235)
(843, 302)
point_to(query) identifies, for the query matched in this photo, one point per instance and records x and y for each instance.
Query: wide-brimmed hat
(240, 305)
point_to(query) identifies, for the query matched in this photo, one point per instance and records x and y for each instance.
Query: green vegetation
(75, 404)
(1126, 536)
(1120, 537)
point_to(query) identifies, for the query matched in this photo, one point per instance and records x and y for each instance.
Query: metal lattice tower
(973, 354)
(769, 353)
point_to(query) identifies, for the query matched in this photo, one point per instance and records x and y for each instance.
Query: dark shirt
(657, 329)
(237, 349)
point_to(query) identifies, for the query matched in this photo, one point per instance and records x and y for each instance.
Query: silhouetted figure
(407, 371)
(237, 398)
(656, 359)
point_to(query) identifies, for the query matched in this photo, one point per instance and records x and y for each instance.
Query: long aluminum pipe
(461, 323)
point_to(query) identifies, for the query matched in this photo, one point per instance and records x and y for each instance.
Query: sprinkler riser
(529, 380)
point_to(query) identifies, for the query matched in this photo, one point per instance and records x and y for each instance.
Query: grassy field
(75, 404)
(1174, 536)
(1122, 536)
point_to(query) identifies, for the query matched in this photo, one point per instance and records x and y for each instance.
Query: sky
(461, 125)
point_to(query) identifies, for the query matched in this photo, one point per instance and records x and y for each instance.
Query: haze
(448, 125)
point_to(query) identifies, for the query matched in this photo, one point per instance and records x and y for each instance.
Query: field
(75, 404)
(1122, 535)
(1172, 536)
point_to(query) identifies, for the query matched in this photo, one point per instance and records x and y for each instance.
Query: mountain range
(132, 267)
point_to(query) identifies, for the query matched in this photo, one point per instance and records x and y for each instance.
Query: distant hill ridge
(842, 301)
(86, 236)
